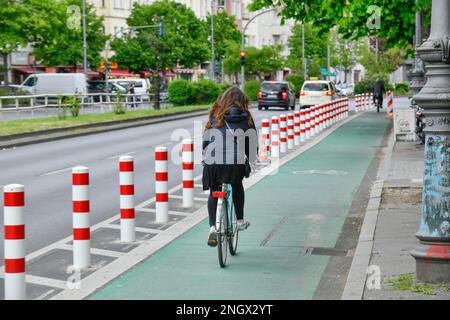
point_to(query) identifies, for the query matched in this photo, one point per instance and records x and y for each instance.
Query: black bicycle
(378, 102)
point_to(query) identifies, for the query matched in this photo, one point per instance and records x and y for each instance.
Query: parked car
(54, 84)
(317, 92)
(344, 90)
(141, 86)
(276, 94)
(99, 86)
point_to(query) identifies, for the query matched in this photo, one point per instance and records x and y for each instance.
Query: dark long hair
(232, 97)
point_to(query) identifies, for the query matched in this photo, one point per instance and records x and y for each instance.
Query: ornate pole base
(432, 262)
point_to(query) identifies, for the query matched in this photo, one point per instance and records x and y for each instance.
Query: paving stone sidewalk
(398, 221)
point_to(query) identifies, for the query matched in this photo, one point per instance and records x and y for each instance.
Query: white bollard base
(82, 253)
(188, 198)
(127, 227)
(15, 286)
(162, 212)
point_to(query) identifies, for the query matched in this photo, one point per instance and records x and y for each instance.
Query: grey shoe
(243, 225)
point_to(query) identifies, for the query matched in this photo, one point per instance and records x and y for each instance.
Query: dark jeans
(379, 98)
(238, 201)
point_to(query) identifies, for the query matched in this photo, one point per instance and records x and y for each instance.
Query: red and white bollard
(188, 173)
(290, 132)
(312, 121)
(15, 250)
(307, 124)
(127, 217)
(317, 120)
(390, 102)
(321, 114)
(283, 133)
(161, 185)
(275, 138)
(302, 125)
(357, 103)
(265, 140)
(328, 115)
(297, 128)
(80, 217)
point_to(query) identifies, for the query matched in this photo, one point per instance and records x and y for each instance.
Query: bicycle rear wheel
(222, 234)
(234, 233)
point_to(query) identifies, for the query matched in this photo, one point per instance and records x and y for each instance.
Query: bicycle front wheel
(222, 235)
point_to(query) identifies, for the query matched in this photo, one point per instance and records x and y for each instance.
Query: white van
(54, 84)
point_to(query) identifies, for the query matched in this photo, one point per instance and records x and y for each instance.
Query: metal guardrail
(89, 103)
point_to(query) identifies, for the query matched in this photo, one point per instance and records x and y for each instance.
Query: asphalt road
(45, 170)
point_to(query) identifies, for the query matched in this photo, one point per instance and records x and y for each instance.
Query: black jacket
(232, 142)
(379, 89)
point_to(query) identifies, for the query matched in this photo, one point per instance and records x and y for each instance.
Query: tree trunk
(157, 104)
(6, 67)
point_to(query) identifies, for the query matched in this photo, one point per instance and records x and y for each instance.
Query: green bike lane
(304, 205)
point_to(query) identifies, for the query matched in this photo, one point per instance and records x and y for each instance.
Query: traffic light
(242, 58)
(161, 30)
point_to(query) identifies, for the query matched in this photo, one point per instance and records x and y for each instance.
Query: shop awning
(29, 70)
(89, 72)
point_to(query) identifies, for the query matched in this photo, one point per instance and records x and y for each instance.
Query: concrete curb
(77, 131)
(356, 280)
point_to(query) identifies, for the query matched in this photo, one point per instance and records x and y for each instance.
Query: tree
(57, 33)
(183, 43)
(14, 19)
(345, 53)
(357, 18)
(258, 62)
(315, 49)
(382, 64)
(225, 30)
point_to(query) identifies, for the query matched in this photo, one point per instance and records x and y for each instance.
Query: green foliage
(225, 31)
(180, 92)
(296, 80)
(205, 91)
(14, 21)
(315, 49)
(74, 105)
(383, 63)
(184, 42)
(57, 32)
(408, 282)
(353, 17)
(258, 62)
(251, 89)
(119, 105)
(224, 86)
(62, 108)
(401, 87)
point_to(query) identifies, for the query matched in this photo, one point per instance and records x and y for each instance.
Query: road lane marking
(175, 213)
(46, 294)
(102, 252)
(119, 155)
(55, 172)
(138, 229)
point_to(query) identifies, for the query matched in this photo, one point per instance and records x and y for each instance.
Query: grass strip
(12, 127)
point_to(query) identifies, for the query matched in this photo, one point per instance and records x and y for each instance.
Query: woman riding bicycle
(229, 141)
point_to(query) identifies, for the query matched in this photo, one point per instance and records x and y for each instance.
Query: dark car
(276, 94)
(99, 86)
